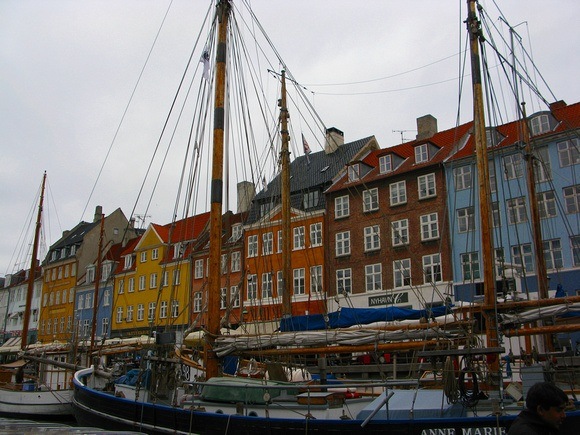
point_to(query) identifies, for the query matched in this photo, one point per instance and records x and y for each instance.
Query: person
(544, 413)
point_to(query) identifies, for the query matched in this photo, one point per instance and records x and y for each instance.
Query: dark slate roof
(74, 237)
(308, 173)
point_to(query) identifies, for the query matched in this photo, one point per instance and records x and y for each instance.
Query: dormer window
(311, 199)
(236, 232)
(385, 164)
(178, 250)
(354, 172)
(540, 124)
(63, 253)
(128, 262)
(90, 274)
(421, 153)
(73, 249)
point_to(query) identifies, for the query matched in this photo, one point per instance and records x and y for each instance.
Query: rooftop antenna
(403, 139)
(141, 218)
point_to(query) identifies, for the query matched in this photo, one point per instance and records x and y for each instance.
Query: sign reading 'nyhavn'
(394, 298)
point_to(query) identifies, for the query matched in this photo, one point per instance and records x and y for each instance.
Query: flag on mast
(205, 60)
(307, 150)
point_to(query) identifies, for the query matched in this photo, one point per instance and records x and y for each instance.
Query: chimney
(246, 193)
(334, 139)
(426, 126)
(98, 213)
(65, 233)
(557, 105)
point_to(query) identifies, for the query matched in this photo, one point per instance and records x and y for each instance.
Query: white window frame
(385, 164)
(266, 285)
(398, 193)
(373, 277)
(426, 186)
(344, 281)
(372, 238)
(402, 273)
(432, 272)
(267, 243)
(315, 279)
(569, 152)
(462, 177)
(400, 232)
(429, 226)
(316, 234)
(342, 243)
(341, 207)
(516, 210)
(370, 200)
(421, 153)
(253, 246)
(298, 283)
(298, 238)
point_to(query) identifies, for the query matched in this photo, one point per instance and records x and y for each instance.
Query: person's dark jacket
(529, 423)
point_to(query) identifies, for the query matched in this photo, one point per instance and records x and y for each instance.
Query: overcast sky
(68, 69)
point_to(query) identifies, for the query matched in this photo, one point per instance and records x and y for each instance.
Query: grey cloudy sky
(68, 69)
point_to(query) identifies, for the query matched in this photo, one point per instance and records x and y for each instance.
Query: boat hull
(96, 408)
(35, 404)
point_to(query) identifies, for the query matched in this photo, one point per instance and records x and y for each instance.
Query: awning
(14, 365)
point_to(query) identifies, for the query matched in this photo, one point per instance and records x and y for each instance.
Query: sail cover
(347, 317)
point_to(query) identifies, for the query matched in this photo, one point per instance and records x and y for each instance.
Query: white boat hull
(36, 403)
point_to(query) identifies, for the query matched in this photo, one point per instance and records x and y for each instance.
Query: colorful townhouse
(66, 266)
(388, 234)
(555, 154)
(153, 280)
(310, 175)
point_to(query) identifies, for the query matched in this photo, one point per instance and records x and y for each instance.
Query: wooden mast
(487, 253)
(285, 198)
(32, 272)
(97, 282)
(213, 292)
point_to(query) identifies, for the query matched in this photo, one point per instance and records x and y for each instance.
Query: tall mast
(213, 291)
(32, 272)
(487, 253)
(97, 282)
(286, 216)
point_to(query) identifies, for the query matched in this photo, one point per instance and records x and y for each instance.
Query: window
(153, 280)
(553, 254)
(398, 193)
(373, 277)
(421, 153)
(69, 323)
(163, 310)
(385, 164)
(572, 199)
(495, 215)
(569, 152)
(51, 299)
(344, 281)
(223, 298)
(140, 312)
(266, 285)
(253, 246)
(164, 278)
(119, 314)
(71, 296)
(88, 300)
(299, 281)
(236, 232)
(516, 209)
(311, 199)
(235, 296)
(342, 243)
(280, 283)
(107, 298)
(131, 285)
(370, 200)
(315, 279)
(432, 268)
(354, 172)
(236, 261)
(57, 301)
(402, 272)
(523, 256)
(279, 242)
(492, 177)
(224, 264)
(130, 313)
(80, 302)
(198, 269)
(462, 177)
(142, 280)
(143, 256)
(298, 238)
(105, 326)
(512, 166)
(316, 234)
(341, 207)
(86, 327)
(62, 324)
(128, 262)
(400, 232)
(465, 219)
(106, 271)
(174, 308)
(151, 310)
(154, 254)
(267, 243)
(575, 245)
(176, 276)
(429, 227)
(542, 167)
(178, 249)
(90, 274)
(546, 204)
(539, 124)
(470, 266)
(252, 287)
(426, 185)
(372, 238)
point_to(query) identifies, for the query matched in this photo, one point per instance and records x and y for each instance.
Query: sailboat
(219, 404)
(27, 388)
